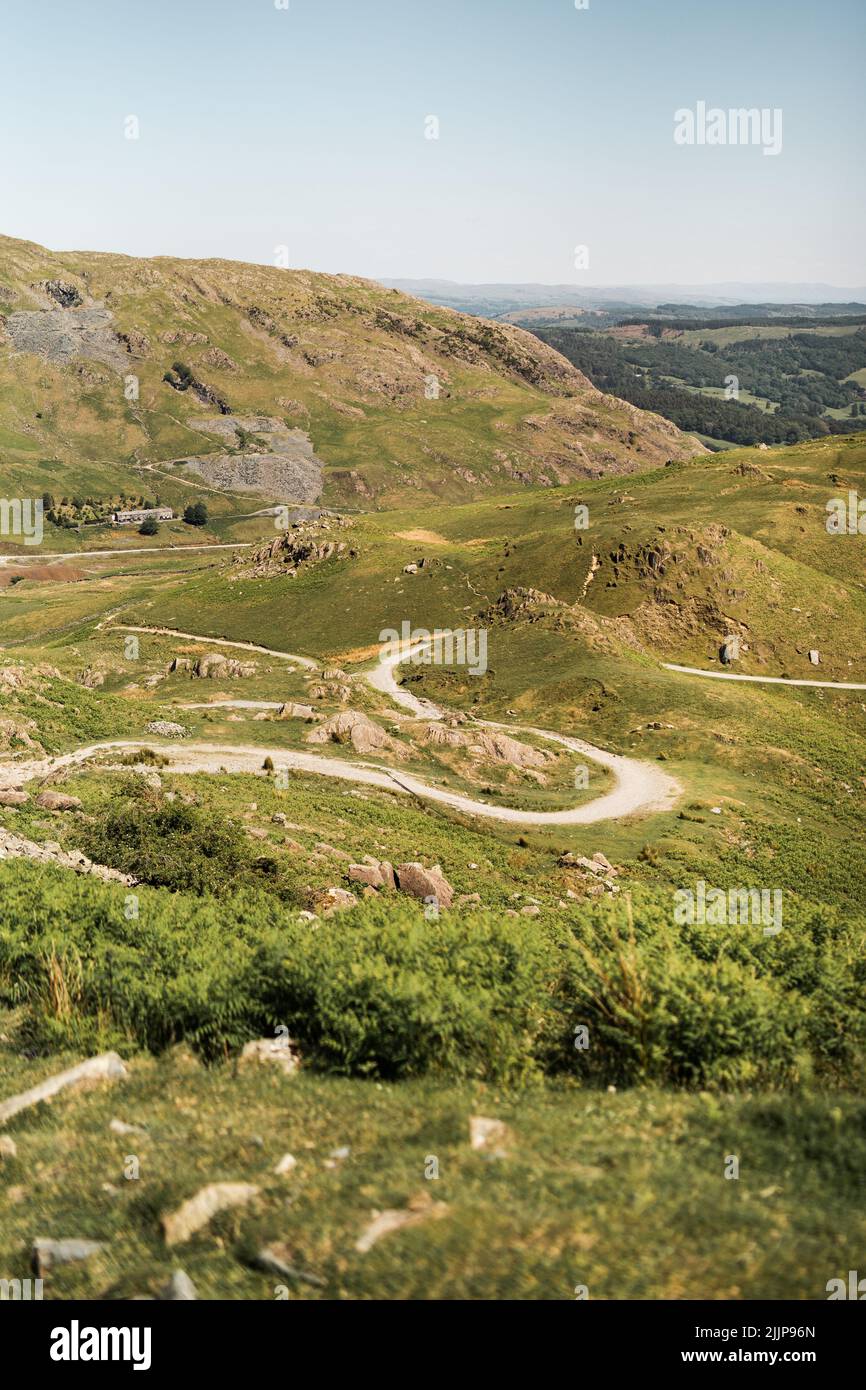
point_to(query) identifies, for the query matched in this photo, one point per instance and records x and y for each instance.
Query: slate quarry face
(61, 334)
(286, 468)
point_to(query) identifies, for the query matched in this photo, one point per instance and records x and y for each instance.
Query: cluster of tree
(180, 377)
(70, 512)
(195, 514)
(801, 375)
(753, 320)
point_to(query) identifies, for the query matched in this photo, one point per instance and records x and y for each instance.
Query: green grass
(622, 1193)
(625, 1191)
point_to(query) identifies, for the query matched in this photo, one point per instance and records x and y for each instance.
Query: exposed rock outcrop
(16, 847)
(59, 335)
(304, 545)
(215, 666)
(354, 727)
(492, 746)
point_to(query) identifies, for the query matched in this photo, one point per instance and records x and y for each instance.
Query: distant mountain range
(495, 299)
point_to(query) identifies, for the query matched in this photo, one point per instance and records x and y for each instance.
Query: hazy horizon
(305, 132)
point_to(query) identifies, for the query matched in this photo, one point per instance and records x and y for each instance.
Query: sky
(305, 127)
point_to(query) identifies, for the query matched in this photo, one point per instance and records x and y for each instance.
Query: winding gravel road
(640, 788)
(763, 680)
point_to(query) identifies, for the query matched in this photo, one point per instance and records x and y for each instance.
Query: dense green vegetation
(385, 990)
(787, 380)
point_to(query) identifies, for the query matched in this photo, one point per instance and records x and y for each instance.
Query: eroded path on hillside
(640, 788)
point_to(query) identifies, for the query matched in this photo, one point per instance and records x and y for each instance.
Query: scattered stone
(179, 1289)
(287, 1164)
(46, 1254)
(488, 1136)
(323, 848)
(107, 1066)
(179, 1225)
(419, 1209)
(165, 728)
(815, 658)
(121, 1127)
(57, 801)
(277, 1259)
(277, 1051)
(13, 796)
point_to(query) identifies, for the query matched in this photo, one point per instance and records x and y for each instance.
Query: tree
(148, 527)
(195, 514)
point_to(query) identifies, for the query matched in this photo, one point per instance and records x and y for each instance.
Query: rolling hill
(289, 384)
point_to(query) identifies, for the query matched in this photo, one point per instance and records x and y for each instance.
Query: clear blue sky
(305, 127)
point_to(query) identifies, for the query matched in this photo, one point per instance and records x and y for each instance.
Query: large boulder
(214, 666)
(424, 883)
(291, 710)
(375, 873)
(354, 727)
(493, 746)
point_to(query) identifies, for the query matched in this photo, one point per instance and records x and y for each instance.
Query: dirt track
(640, 788)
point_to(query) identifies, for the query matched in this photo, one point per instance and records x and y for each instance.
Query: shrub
(391, 994)
(381, 991)
(169, 844)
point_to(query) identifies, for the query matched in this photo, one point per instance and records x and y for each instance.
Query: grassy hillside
(396, 396)
(707, 1041)
(670, 564)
